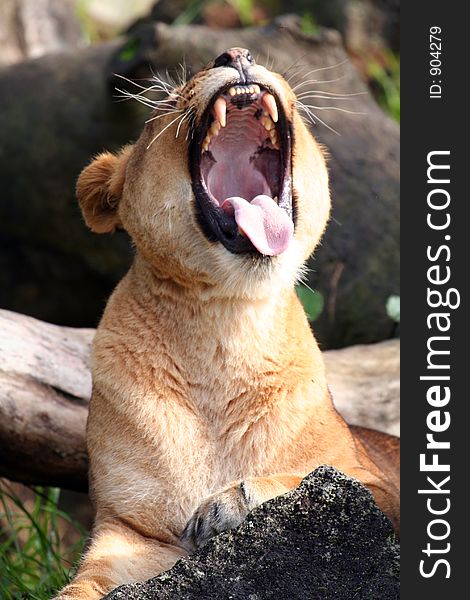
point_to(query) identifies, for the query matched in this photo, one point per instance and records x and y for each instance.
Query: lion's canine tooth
(232, 91)
(220, 110)
(270, 104)
(257, 89)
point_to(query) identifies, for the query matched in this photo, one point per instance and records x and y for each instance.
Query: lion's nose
(237, 58)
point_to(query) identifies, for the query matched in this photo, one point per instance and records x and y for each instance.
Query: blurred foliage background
(41, 28)
(42, 530)
(370, 28)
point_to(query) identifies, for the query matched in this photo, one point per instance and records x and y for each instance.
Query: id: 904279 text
(435, 63)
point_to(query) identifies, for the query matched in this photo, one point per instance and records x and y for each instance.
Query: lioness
(209, 390)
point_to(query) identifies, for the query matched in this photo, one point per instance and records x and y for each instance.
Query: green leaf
(129, 50)
(393, 308)
(312, 301)
(308, 24)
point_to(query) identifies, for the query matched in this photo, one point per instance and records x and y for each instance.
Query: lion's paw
(219, 512)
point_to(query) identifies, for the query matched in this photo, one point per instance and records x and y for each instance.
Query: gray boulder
(324, 540)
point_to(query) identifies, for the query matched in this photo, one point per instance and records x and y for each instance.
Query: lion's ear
(99, 190)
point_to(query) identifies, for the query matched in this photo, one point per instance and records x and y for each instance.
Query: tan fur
(209, 390)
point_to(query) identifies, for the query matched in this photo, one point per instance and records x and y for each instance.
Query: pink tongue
(268, 227)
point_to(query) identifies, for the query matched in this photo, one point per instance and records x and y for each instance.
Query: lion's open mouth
(240, 161)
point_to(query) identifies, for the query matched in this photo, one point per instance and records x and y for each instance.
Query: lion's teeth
(267, 122)
(240, 90)
(270, 105)
(274, 140)
(214, 129)
(211, 134)
(220, 110)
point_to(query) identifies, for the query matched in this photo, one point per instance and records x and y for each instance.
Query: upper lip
(216, 224)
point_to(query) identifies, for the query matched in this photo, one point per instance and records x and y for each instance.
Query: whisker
(169, 78)
(313, 116)
(350, 112)
(330, 94)
(185, 116)
(304, 282)
(164, 129)
(318, 69)
(295, 73)
(165, 86)
(184, 73)
(307, 114)
(171, 112)
(144, 90)
(191, 119)
(320, 97)
(309, 81)
(139, 98)
(144, 101)
(285, 70)
(130, 81)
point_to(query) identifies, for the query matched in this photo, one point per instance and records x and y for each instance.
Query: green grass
(34, 561)
(385, 82)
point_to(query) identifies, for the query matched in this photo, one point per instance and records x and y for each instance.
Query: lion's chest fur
(186, 402)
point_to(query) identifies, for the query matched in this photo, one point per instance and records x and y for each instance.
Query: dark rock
(54, 269)
(324, 540)
(366, 25)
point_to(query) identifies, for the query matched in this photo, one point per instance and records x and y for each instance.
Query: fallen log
(45, 386)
